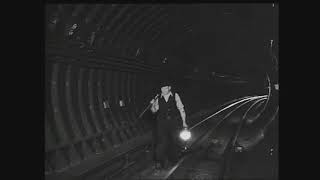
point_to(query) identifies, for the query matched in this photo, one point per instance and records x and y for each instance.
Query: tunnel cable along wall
(91, 108)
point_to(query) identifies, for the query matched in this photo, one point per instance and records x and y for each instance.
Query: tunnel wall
(91, 106)
(98, 79)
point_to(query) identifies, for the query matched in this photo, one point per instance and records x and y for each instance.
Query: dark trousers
(167, 134)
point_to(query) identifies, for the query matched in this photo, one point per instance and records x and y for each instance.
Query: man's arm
(180, 107)
(155, 105)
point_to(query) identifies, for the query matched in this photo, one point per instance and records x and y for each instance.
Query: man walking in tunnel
(168, 106)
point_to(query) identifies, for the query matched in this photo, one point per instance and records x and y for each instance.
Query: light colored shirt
(179, 104)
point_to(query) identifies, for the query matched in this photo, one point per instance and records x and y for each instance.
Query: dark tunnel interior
(103, 65)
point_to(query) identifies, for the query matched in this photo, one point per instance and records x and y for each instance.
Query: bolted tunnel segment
(104, 64)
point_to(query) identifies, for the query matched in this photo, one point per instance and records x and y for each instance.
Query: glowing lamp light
(185, 135)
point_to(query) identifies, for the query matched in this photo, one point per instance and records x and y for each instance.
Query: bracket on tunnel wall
(106, 104)
(121, 103)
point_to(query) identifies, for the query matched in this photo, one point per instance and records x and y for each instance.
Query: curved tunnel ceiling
(227, 38)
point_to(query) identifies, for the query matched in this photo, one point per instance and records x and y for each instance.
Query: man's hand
(154, 105)
(152, 101)
(185, 125)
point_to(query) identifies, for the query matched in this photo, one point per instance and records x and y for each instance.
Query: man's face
(165, 90)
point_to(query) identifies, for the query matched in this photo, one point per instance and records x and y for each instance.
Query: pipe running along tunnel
(103, 63)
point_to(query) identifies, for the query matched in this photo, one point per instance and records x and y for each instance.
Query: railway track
(204, 155)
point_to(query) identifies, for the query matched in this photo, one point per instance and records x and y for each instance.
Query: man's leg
(161, 147)
(173, 149)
